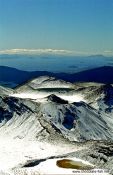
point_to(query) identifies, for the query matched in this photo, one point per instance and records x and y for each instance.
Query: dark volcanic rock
(56, 99)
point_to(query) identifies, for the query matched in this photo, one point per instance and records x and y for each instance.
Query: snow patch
(49, 167)
(41, 97)
(16, 152)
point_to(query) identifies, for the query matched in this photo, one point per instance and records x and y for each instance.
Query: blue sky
(79, 25)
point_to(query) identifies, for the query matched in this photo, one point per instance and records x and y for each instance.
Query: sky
(83, 26)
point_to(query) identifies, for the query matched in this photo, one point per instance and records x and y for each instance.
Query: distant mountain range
(12, 77)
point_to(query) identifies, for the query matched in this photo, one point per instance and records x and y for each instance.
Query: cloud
(108, 51)
(44, 51)
(54, 52)
(36, 51)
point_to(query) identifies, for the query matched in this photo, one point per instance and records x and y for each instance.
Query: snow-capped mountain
(48, 99)
(48, 82)
(45, 110)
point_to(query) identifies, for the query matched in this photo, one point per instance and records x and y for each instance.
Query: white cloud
(44, 51)
(36, 51)
(108, 51)
(54, 52)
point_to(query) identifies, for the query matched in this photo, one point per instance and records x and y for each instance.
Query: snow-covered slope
(78, 111)
(5, 91)
(48, 113)
(74, 121)
(48, 82)
(45, 82)
(77, 121)
(22, 119)
(97, 95)
(44, 86)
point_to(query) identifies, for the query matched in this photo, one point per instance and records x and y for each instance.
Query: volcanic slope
(43, 100)
(34, 116)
